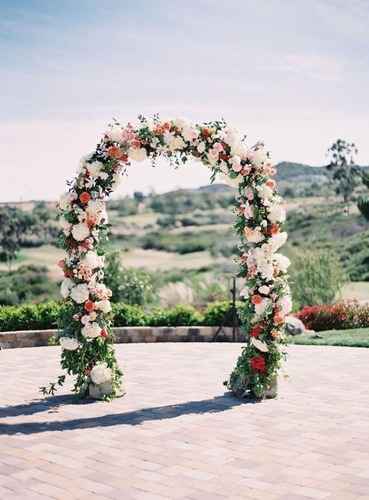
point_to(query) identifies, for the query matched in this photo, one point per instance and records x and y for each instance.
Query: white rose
(238, 149)
(139, 154)
(232, 182)
(92, 260)
(64, 202)
(264, 289)
(201, 147)
(264, 192)
(114, 133)
(103, 305)
(68, 343)
(276, 213)
(80, 231)
(266, 271)
(262, 307)
(231, 136)
(177, 143)
(65, 225)
(235, 161)
(281, 262)
(100, 373)
(284, 305)
(261, 346)
(117, 179)
(103, 176)
(66, 287)
(94, 207)
(80, 293)
(91, 330)
(245, 292)
(181, 122)
(94, 168)
(259, 157)
(276, 241)
(189, 133)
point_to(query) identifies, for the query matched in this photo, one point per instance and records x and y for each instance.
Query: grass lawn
(355, 290)
(349, 338)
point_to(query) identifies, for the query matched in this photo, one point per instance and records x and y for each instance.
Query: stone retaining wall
(127, 335)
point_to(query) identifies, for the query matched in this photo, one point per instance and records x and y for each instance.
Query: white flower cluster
(91, 330)
(69, 343)
(100, 373)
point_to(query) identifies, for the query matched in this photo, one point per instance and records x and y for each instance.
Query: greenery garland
(86, 335)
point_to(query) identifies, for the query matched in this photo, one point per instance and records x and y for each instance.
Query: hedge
(44, 316)
(340, 316)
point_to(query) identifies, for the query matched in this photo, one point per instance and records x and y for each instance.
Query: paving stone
(178, 434)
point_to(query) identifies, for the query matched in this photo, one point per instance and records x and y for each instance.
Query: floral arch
(86, 334)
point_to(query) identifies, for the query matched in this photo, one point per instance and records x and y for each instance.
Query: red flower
(205, 132)
(104, 334)
(89, 305)
(255, 332)
(84, 197)
(258, 364)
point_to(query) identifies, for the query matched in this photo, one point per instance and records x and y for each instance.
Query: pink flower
(127, 134)
(249, 154)
(250, 196)
(214, 153)
(73, 195)
(85, 319)
(218, 147)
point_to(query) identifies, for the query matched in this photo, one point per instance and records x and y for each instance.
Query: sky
(293, 73)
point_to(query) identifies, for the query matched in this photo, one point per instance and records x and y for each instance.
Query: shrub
(126, 315)
(341, 316)
(215, 313)
(316, 278)
(29, 317)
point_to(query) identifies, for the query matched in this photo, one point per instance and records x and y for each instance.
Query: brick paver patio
(178, 434)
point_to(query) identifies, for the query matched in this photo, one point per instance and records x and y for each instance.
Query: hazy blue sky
(293, 73)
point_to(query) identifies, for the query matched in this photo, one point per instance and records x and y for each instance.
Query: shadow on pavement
(137, 417)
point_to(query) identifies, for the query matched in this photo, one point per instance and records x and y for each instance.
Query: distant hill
(298, 172)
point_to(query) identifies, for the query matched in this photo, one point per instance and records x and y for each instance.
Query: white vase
(104, 389)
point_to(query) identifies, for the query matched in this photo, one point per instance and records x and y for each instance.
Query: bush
(316, 278)
(126, 315)
(341, 316)
(45, 316)
(29, 317)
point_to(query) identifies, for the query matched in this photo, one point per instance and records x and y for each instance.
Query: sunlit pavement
(177, 433)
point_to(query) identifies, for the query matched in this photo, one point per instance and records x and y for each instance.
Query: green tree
(363, 203)
(13, 224)
(129, 285)
(316, 278)
(345, 171)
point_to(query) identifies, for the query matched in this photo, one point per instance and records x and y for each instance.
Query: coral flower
(84, 197)
(61, 264)
(275, 334)
(278, 320)
(256, 299)
(89, 305)
(136, 144)
(275, 271)
(270, 183)
(274, 229)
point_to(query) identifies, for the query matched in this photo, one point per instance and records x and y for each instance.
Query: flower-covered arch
(86, 334)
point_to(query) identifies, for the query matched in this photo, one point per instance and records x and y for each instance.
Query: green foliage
(49, 315)
(363, 203)
(316, 278)
(129, 285)
(29, 317)
(125, 315)
(27, 284)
